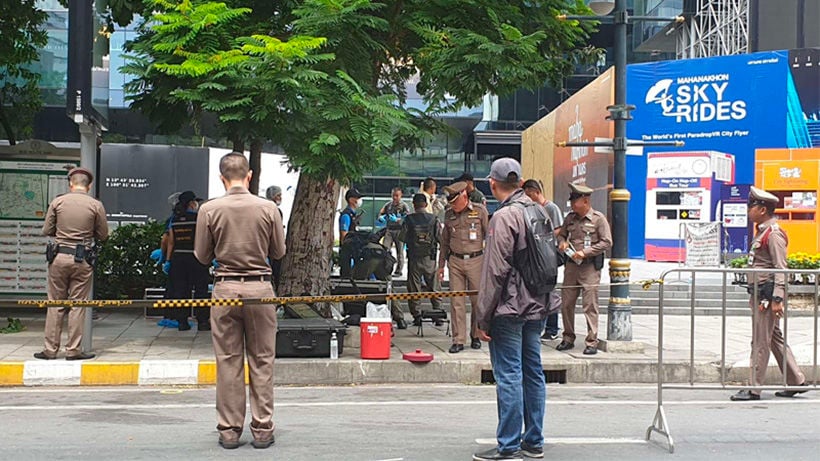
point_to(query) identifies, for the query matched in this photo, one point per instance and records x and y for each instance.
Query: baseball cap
(187, 196)
(352, 193)
(505, 170)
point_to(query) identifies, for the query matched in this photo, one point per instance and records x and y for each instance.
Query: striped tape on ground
(142, 373)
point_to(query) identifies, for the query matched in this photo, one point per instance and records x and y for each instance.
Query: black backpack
(538, 263)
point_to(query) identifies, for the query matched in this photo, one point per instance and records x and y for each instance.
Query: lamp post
(619, 314)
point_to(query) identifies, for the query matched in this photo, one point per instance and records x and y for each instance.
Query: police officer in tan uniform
(462, 248)
(75, 220)
(243, 232)
(587, 235)
(768, 251)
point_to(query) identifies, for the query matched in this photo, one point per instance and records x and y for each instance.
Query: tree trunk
(238, 145)
(256, 165)
(306, 267)
(4, 122)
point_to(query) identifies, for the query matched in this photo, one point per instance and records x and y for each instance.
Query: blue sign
(734, 214)
(730, 104)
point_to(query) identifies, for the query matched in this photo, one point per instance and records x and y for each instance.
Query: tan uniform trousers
(66, 280)
(588, 278)
(465, 274)
(766, 337)
(235, 330)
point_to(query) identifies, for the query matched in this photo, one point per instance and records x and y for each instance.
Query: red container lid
(418, 356)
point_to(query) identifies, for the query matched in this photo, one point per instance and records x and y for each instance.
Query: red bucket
(376, 335)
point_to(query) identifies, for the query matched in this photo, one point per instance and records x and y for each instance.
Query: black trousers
(188, 276)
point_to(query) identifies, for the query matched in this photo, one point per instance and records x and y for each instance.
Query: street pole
(619, 311)
(88, 159)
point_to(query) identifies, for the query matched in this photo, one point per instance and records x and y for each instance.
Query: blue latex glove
(394, 218)
(214, 263)
(381, 220)
(166, 267)
(157, 256)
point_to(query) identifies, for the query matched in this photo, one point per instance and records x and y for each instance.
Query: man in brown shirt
(74, 220)
(586, 233)
(243, 232)
(462, 248)
(768, 251)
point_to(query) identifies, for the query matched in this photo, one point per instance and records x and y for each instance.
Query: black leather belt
(243, 278)
(67, 250)
(468, 255)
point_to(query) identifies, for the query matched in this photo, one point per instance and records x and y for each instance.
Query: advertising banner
(735, 218)
(731, 104)
(582, 117)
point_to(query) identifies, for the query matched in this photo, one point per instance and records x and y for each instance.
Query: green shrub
(124, 268)
(740, 262)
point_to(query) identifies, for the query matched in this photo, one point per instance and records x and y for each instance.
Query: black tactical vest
(184, 227)
(421, 234)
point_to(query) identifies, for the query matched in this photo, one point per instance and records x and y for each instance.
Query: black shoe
(184, 325)
(205, 326)
(475, 343)
(401, 324)
(262, 444)
(744, 396)
(228, 444)
(494, 454)
(549, 336)
(396, 274)
(590, 350)
(531, 452)
(456, 348)
(43, 356)
(81, 356)
(790, 394)
(564, 346)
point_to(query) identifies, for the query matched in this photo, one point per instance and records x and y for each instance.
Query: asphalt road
(414, 422)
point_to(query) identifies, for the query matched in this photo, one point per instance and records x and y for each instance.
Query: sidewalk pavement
(133, 350)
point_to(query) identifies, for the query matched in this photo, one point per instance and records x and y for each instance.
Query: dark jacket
(502, 290)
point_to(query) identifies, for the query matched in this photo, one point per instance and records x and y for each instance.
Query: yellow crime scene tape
(239, 302)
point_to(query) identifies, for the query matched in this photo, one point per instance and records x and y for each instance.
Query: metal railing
(660, 423)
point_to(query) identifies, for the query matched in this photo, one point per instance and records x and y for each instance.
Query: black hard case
(308, 337)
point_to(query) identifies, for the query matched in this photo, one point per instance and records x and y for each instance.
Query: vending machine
(681, 187)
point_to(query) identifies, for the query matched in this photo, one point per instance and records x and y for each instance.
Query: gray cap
(579, 190)
(506, 170)
(272, 192)
(761, 197)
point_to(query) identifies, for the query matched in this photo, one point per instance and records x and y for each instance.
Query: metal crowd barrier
(660, 423)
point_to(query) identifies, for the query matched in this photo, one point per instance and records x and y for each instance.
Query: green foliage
(124, 269)
(22, 33)
(327, 79)
(14, 326)
(742, 261)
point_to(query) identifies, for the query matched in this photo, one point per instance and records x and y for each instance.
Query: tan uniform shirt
(463, 232)
(769, 252)
(241, 231)
(74, 218)
(594, 223)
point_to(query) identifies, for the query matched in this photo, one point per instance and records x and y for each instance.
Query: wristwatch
(777, 299)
